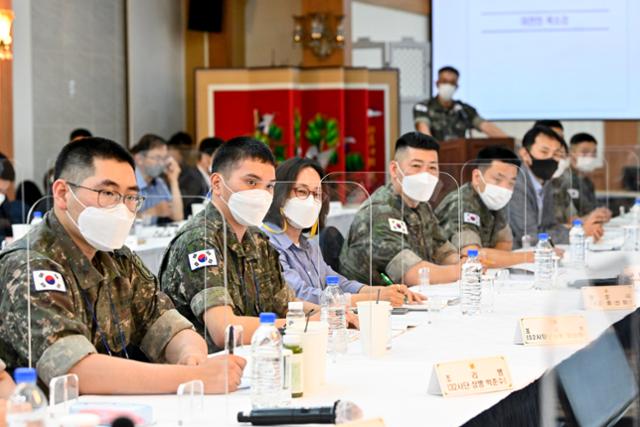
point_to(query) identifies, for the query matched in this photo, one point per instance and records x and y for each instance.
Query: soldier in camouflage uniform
(405, 235)
(584, 151)
(445, 118)
(193, 268)
(472, 217)
(90, 296)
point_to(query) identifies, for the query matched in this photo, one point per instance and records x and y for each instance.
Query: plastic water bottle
(471, 284)
(295, 315)
(333, 304)
(37, 218)
(577, 244)
(266, 355)
(27, 405)
(543, 278)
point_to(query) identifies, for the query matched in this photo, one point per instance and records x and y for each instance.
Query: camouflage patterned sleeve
(443, 247)
(505, 234)
(459, 235)
(474, 117)
(270, 269)
(203, 285)
(59, 339)
(420, 114)
(156, 318)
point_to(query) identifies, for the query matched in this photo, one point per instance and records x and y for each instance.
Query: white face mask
(418, 187)
(3, 197)
(300, 213)
(106, 229)
(586, 163)
(446, 91)
(563, 165)
(494, 196)
(249, 207)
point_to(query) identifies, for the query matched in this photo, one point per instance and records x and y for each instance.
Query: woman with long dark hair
(299, 205)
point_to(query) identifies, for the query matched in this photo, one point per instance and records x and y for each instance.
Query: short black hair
(7, 172)
(79, 133)
(530, 137)
(76, 160)
(496, 153)
(450, 69)
(286, 175)
(238, 149)
(417, 140)
(180, 139)
(549, 123)
(148, 142)
(581, 137)
(210, 145)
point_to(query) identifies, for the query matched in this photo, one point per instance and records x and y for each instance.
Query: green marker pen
(387, 281)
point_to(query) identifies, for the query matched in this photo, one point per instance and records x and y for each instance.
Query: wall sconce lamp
(320, 32)
(6, 20)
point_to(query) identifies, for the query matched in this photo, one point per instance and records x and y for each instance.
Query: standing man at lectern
(445, 118)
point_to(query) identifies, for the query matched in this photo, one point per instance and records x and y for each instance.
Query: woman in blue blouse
(298, 205)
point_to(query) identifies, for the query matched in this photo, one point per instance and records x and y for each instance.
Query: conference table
(395, 386)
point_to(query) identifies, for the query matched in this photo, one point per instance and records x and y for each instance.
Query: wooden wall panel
(622, 138)
(422, 7)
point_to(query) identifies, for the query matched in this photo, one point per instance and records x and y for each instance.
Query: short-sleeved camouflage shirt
(583, 193)
(193, 271)
(564, 207)
(471, 222)
(400, 237)
(66, 291)
(447, 123)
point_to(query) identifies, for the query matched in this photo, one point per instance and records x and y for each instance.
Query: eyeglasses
(109, 199)
(303, 192)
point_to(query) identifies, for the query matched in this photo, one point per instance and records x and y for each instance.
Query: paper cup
(20, 230)
(374, 327)
(314, 354)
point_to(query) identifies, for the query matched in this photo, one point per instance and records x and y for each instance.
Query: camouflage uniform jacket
(480, 225)
(193, 271)
(583, 193)
(401, 237)
(563, 204)
(446, 123)
(69, 294)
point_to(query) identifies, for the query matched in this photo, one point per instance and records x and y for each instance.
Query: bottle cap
(472, 253)
(296, 305)
(543, 236)
(332, 280)
(25, 375)
(267, 318)
(291, 339)
(577, 222)
(37, 214)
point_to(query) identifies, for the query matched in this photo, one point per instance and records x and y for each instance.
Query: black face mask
(543, 169)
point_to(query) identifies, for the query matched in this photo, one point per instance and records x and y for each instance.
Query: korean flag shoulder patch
(48, 281)
(398, 226)
(573, 193)
(204, 258)
(471, 218)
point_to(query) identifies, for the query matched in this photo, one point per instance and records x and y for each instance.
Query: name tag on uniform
(201, 259)
(421, 107)
(398, 226)
(48, 281)
(473, 376)
(573, 193)
(471, 218)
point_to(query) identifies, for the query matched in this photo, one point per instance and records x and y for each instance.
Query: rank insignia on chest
(573, 193)
(46, 280)
(471, 218)
(398, 226)
(201, 259)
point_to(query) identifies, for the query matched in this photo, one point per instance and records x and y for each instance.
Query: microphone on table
(342, 411)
